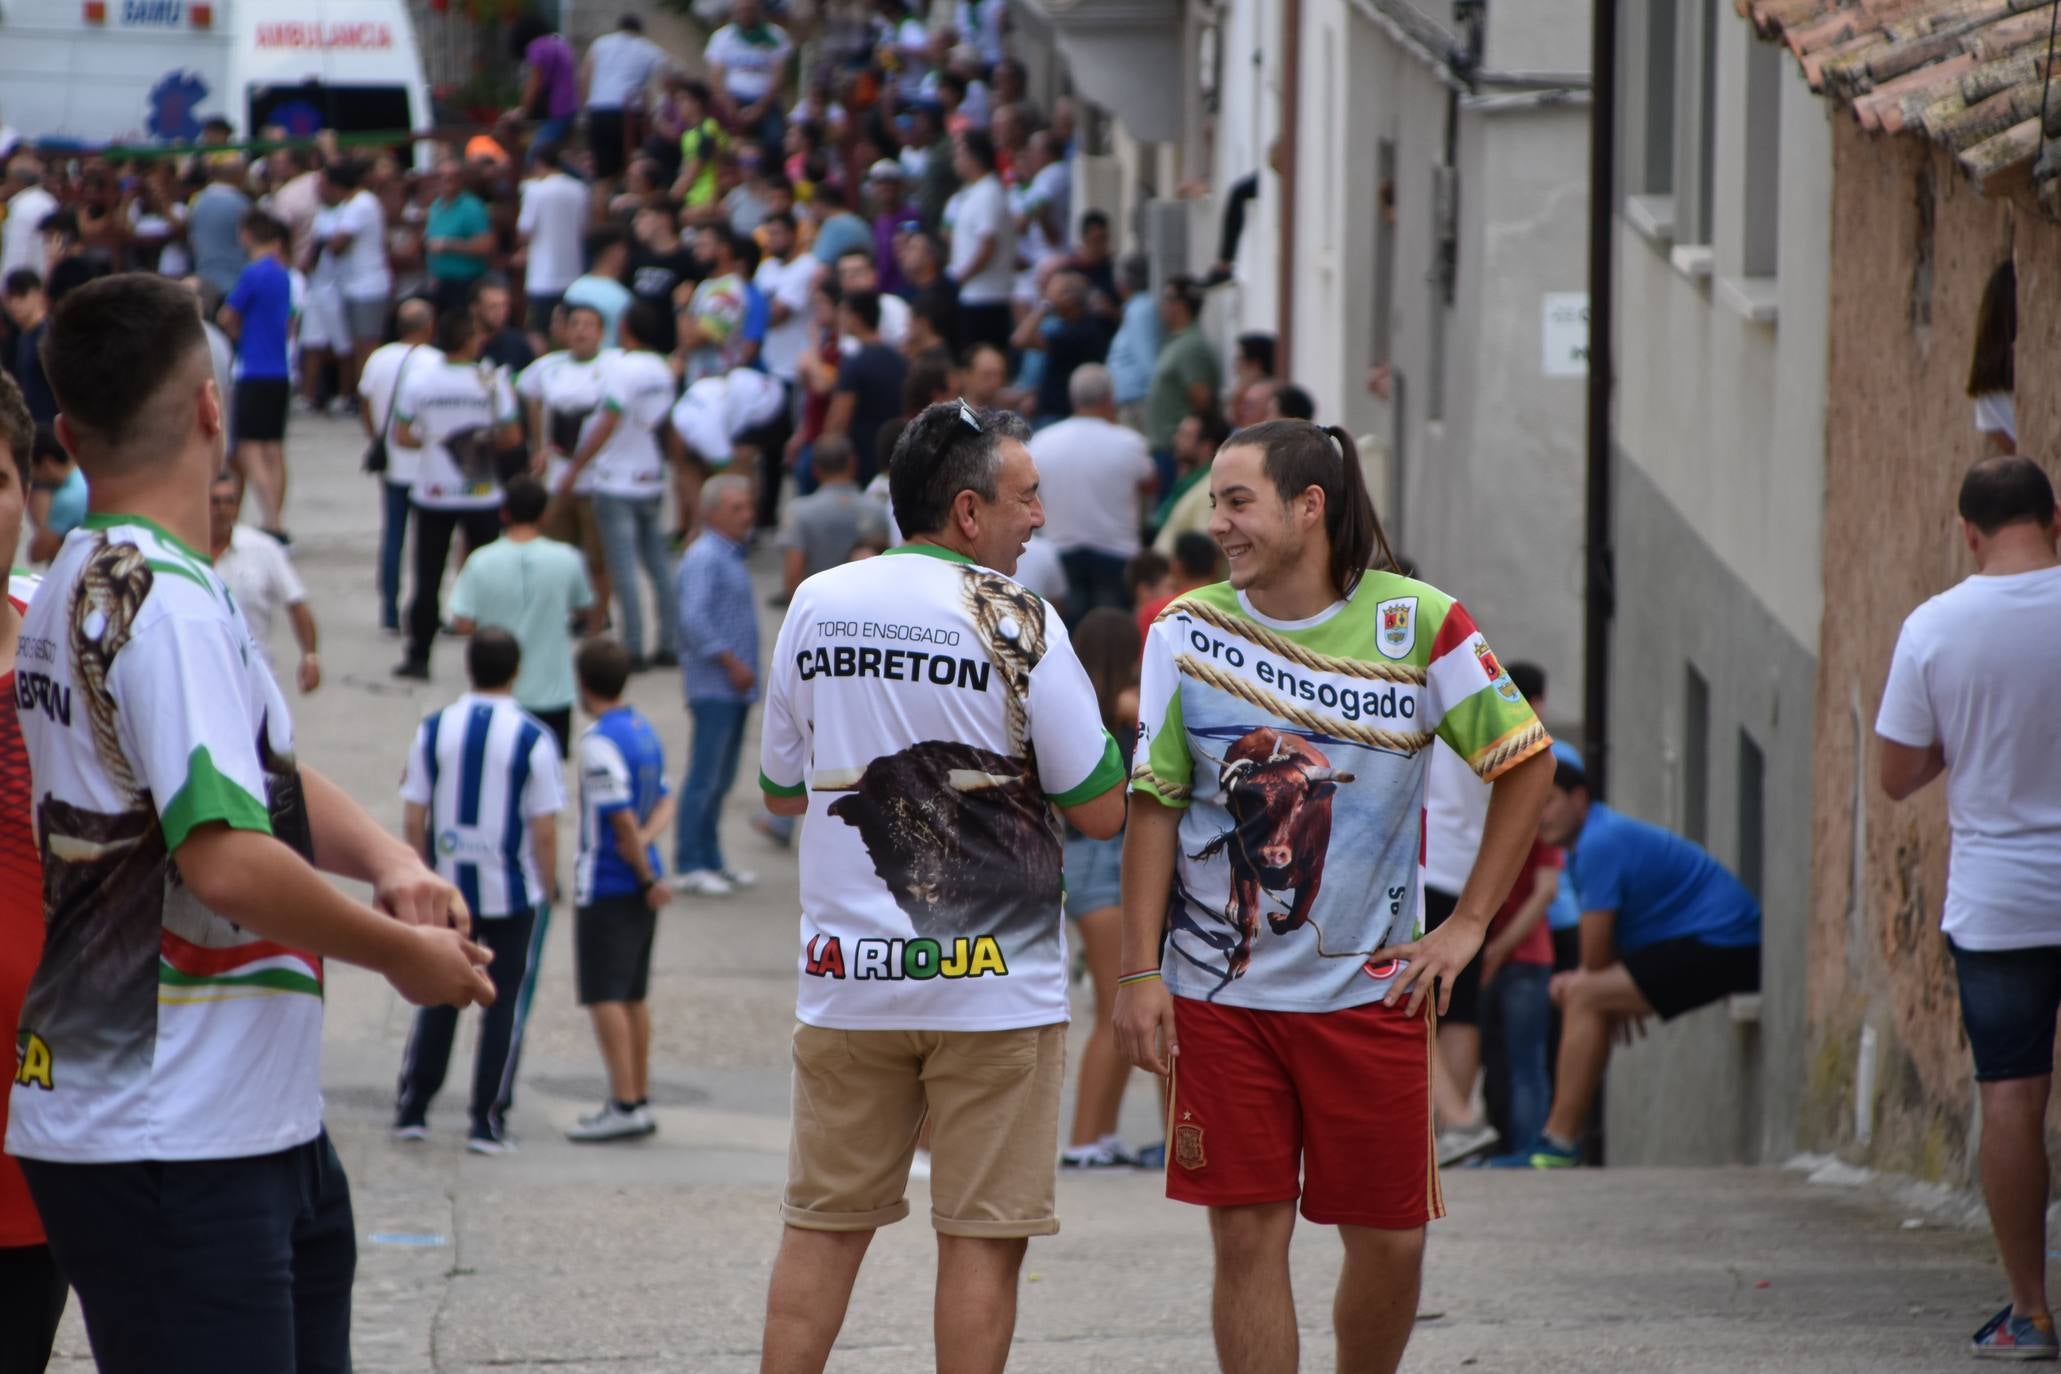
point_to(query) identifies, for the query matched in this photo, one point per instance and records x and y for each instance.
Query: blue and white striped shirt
(485, 768)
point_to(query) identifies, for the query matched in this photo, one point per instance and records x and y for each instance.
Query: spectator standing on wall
(747, 62)
(550, 83)
(618, 69)
(1955, 705)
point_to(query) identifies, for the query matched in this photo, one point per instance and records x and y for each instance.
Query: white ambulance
(153, 71)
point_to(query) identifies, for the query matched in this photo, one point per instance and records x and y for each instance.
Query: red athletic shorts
(1331, 1107)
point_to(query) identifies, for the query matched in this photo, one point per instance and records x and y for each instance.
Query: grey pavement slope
(654, 1255)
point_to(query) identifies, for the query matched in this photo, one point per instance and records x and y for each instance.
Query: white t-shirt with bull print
(1297, 751)
(931, 710)
(454, 408)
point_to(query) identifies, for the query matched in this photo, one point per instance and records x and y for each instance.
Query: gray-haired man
(927, 713)
(719, 669)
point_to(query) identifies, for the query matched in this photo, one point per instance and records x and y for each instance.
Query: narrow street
(654, 1255)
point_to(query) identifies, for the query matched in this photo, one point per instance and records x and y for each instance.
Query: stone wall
(1912, 246)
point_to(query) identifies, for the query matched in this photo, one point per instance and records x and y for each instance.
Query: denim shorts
(2009, 1001)
(1093, 873)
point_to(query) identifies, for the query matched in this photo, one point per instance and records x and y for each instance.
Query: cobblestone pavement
(654, 1255)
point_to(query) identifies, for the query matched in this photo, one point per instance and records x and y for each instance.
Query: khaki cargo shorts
(860, 1098)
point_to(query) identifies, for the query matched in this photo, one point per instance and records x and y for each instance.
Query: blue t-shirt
(844, 232)
(1661, 886)
(622, 766)
(604, 294)
(263, 300)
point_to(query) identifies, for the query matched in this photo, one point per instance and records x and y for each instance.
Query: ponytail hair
(1298, 455)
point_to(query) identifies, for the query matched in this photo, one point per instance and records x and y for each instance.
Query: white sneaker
(919, 1167)
(612, 1123)
(740, 878)
(703, 882)
(1463, 1142)
(411, 1132)
(488, 1145)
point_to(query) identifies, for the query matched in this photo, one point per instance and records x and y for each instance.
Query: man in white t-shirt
(626, 446)
(1098, 484)
(460, 417)
(982, 264)
(168, 1113)
(786, 277)
(357, 241)
(619, 67)
(378, 385)
(259, 575)
(747, 65)
(927, 713)
(1969, 695)
(550, 226)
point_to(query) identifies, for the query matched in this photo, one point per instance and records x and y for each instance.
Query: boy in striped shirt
(483, 793)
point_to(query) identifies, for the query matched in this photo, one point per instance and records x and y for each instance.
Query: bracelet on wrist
(1143, 975)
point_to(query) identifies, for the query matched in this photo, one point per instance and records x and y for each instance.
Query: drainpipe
(1291, 84)
(1599, 598)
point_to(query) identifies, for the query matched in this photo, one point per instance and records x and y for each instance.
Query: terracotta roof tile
(1966, 74)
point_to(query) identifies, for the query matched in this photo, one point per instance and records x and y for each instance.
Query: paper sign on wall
(1565, 316)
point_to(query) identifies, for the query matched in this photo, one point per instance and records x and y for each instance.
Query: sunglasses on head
(966, 414)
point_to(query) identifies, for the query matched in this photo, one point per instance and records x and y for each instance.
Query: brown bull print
(1278, 789)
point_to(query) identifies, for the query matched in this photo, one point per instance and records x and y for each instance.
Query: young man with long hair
(1272, 941)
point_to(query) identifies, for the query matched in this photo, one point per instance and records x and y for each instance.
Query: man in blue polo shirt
(1665, 929)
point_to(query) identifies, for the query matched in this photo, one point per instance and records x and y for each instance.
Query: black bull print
(962, 837)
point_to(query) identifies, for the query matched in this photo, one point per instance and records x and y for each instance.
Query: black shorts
(2009, 1000)
(612, 948)
(1682, 975)
(605, 142)
(261, 405)
(559, 723)
(1465, 1007)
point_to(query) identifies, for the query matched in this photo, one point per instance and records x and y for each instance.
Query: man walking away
(627, 445)
(482, 795)
(260, 578)
(983, 717)
(457, 414)
(618, 69)
(534, 588)
(258, 316)
(379, 385)
(217, 1233)
(1303, 1075)
(624, 808)
(1098, 483)
(719, 671)
(1953, 705)
(1665, 929)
